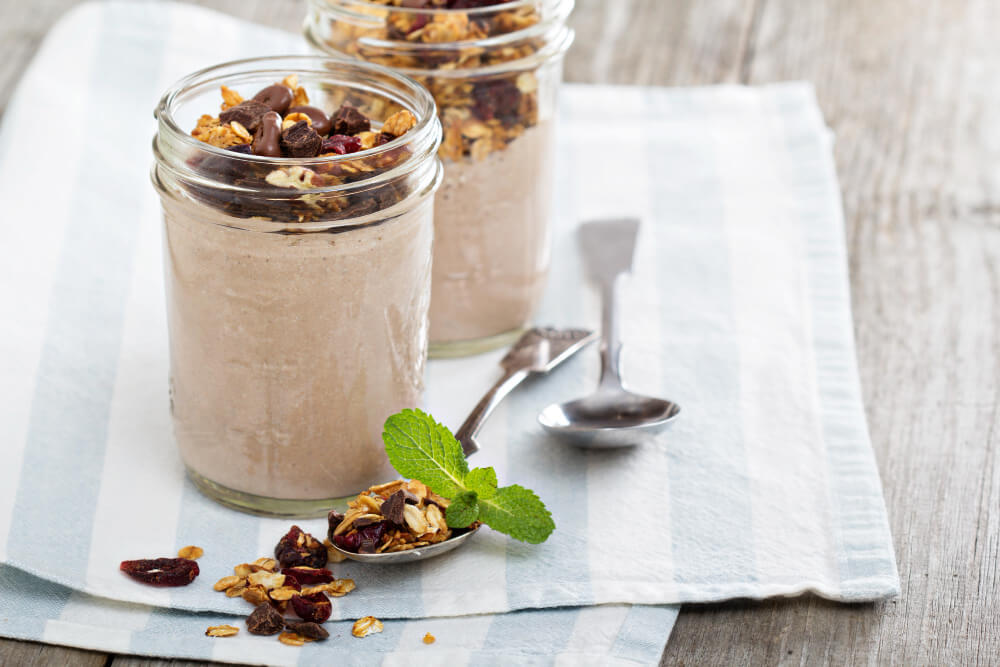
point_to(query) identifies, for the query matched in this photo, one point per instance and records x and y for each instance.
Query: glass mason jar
(494, 72)
(297, 289)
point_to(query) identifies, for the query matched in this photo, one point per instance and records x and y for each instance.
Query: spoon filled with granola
(443, 504)
(397, 522)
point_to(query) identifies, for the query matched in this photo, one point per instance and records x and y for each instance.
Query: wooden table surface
(912, 90)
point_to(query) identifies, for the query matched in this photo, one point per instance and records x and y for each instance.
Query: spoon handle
(467, 432)
(611, 346)
(608, 247)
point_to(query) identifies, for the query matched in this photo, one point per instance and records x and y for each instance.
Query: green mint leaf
(420, 448)
(518, 512)
(483, 481)
(463, 510)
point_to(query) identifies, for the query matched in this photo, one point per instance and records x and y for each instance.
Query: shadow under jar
(494, 70)
(297, 288)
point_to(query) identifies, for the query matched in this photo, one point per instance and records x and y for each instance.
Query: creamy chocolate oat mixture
(290, 348)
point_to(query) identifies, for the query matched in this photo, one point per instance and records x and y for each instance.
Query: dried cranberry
(371, 537)
(291, 581)
(348, 542)
(315, 608)
(308, 576)
(300, 548)
(341, 144)
(161, 571)
(496, 99)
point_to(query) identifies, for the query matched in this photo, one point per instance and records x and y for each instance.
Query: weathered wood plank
(33, 654)
(908, 90)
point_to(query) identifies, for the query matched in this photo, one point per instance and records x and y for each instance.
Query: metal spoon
(612, 416)
(537, 352)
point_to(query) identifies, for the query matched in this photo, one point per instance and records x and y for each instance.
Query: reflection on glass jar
(494, 72)
(297, 287)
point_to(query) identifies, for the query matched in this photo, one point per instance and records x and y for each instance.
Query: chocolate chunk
(392, 508)
(277, 97)
(307, 629)
(247, 113)
(265, 620)
(410, 497)
(348, 120)
(320, 121)
(246, 149)
(267, 139)
(300, 140)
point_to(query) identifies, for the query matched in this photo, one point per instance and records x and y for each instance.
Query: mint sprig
(420, 448)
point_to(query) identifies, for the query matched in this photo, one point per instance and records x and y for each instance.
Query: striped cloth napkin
(738, 309)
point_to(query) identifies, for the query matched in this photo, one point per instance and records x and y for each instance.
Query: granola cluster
(479, 114)
(397, 516)
(296, 580)
(279, 122)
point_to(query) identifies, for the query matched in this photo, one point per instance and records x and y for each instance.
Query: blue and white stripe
(738, 309)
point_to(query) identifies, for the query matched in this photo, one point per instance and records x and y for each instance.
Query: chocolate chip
(267, 139)
(348, 120)
(320, 121)
(364, 521)
(247, 113)
(277, 97)
(265, 620)
(392, 508)
(307, 629)
(300, 140)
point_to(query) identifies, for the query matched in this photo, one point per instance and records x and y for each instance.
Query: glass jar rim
(423, 107)
(552, 28)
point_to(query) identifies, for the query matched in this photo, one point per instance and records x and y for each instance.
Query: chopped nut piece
(300, 98)
(227, 582)
(291, 638)
(366, 626)
(221, 631)
(399, 123)
(435, 519)
(237, 590)
(283, 593)
(241, 131)
(267, 579)
(429, 638)
(230, 98)
(266, 563)
(255, 595)
(191, 553)
(415, 519)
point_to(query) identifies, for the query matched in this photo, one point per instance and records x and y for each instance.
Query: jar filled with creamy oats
(494, 69)
(297, 197)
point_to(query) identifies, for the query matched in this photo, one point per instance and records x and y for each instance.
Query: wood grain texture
(912, 90)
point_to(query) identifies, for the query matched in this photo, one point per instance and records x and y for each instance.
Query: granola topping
(479, 114)
(279, 122)
(392, 517)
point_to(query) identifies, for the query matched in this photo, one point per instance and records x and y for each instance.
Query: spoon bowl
(612, 416)
(608, 419)
(412, 555)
